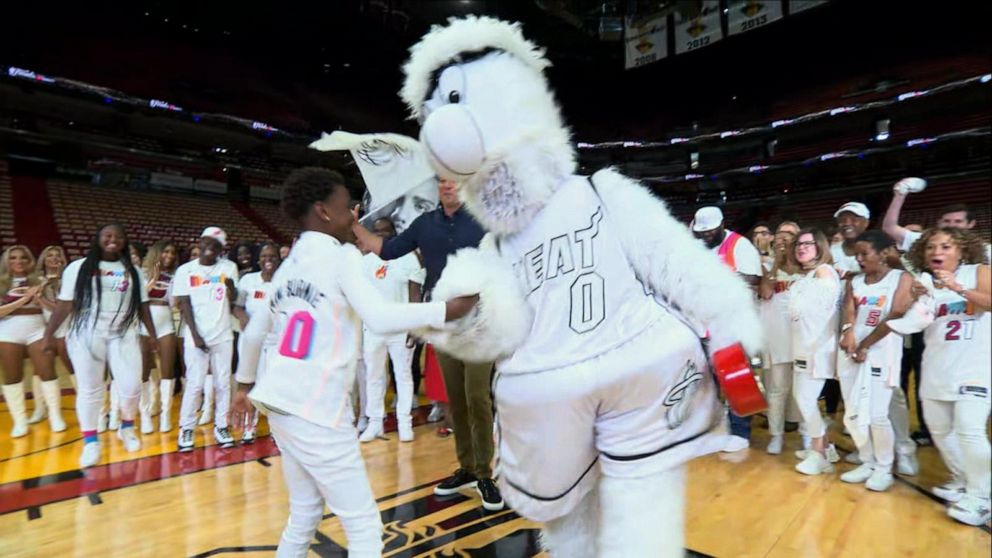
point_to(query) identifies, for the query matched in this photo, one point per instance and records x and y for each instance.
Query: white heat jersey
(319, 299)
(582, 291)
(253, 293)
(957, 360)
(874, 303)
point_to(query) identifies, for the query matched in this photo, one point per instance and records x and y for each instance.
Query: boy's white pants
(217, 360)
(375, 349)
(90, 355)
(324, 465)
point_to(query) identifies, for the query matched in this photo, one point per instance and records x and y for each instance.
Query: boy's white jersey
(873, 304)
(584, 295)
(319, 299)
(957, 360)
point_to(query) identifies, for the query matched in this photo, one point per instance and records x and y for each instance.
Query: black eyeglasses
(806, 243)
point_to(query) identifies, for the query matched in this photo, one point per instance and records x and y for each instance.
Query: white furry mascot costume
(602, 392)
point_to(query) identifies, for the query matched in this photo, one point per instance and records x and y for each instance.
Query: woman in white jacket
(319, 300)
(813, 307)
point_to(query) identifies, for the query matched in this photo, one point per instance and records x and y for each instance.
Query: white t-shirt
(746, 259)
(911, 237)
(115, 286)
(392, 278)
(843, 263)
(253, 293)
(206, 287)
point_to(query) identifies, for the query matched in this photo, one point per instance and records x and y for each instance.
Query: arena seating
(271, 213)
(147, 216)
(7, 236)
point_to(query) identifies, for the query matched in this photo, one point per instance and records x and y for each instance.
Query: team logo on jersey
(680, 394)
(198, 281)
(872, 301)
(258, 295)
(381, 272)
(959, 307)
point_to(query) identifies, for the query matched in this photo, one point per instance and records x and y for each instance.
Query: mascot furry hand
(602, 393)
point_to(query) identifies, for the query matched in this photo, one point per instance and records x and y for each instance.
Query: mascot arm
(667, 258)
(501, 320)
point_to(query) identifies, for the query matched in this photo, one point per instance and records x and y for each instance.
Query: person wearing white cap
(852, 220)
(205, 289)
(737, 252)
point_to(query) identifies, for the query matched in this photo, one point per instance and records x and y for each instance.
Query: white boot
(642, 516)
(145, 408)
(53, 400)
(40, 409)
(115, 407)
(373, 431)
(404, 427)
(13, 394)
(574, 535)
(207, 414)
(165, 419)
(155, 401)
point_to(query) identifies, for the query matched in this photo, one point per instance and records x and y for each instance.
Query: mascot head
(488, 118)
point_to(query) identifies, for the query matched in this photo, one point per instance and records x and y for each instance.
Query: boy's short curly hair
(305, 186)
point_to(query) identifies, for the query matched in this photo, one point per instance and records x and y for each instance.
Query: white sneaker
(854, 458)
(130, 439)
(906, 464)
(775, 445)
(223, 437)
(373, 431)
(186, 440)
(248, 436)
(436, 414)
(859, 475)
(405, 430)
(735, 443)
(880, 480)
(952, 491)
(971, 510)
(832, 455)
(90, 455)
(101, 423)
(814, 464)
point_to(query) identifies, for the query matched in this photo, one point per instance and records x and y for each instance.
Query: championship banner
(400, 183)
(702, 30)
(745, 15)
(796, 6)
(645, 41)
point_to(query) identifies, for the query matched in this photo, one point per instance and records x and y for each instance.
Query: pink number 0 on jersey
(303, 321)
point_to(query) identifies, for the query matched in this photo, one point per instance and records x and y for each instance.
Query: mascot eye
(454, 97)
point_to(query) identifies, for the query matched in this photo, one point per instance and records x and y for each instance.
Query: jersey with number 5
(957, 360)
(583, 292)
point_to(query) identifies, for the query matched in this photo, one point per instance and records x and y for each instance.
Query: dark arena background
(168, 117)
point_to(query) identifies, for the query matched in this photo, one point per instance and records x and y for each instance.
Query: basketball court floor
(232, 503)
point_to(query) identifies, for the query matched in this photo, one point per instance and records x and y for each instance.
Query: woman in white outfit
(814, 308)
(775, 284)
(22, 327)
(52, 261)
(320, 301)
(957, 366)
(159, 267)
(254, 295)
(104, 293)
(870, 370)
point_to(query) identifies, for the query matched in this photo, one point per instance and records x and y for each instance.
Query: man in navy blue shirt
(437, 234)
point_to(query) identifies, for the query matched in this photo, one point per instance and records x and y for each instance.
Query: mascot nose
(454, 142)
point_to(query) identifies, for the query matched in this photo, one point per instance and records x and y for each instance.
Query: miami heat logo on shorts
(680, 394)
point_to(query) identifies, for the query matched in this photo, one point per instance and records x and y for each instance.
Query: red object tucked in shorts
(433, 378)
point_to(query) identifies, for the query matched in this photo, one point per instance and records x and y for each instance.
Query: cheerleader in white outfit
(957, 366)
(52, 261)
(22, 327)
(869, 373)
(254, 294)
(104, 292)
(775, 284)
(159, 267)
(814, 308)
(320, 299)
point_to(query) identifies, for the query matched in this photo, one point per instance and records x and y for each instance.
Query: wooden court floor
(232, 503)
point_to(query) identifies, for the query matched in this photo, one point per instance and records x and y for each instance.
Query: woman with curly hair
(159, 266)
(52, 262)
(957, 366)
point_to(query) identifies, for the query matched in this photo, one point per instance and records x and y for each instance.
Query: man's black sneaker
(491, 498)
(451, 485)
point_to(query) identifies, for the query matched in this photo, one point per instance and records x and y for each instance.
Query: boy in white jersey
(320, 300)
(872, 298)
(957, 366)
(205, 288)
(397, 281)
